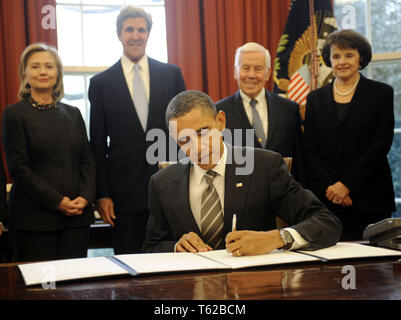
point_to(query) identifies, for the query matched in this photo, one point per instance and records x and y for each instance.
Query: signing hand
(246, 243)
(106, 210)
(191, 242)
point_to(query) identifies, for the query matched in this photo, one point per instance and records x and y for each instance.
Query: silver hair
(252, 47)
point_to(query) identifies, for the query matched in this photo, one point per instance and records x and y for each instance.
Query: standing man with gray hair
(276, 121)
(127, 100)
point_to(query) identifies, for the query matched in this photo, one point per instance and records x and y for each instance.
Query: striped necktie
(140, 99)
(257, 124)
(211, 213)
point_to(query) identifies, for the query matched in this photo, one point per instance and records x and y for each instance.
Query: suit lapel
(120, 88)
(156, 92)
(273, 115)
(361, 94)
(182, 208)
(329, 104)
(235, 190)
(239, 112)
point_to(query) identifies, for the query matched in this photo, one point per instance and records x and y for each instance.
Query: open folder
(149, 263)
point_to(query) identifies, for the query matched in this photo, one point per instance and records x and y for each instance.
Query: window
(88, 43)
(380, 22)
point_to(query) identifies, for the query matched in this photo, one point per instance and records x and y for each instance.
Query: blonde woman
(50, 162)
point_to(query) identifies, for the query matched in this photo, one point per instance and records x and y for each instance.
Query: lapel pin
(239, 185)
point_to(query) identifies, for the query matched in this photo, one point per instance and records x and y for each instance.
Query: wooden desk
(375, 279)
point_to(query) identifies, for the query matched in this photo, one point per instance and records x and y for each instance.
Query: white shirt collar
(220, 168)
(247, 99)
(128, 65)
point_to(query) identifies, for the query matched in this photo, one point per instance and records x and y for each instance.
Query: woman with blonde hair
(50, 162)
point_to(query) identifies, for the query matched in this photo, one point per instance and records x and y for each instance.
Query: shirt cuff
(299, 241)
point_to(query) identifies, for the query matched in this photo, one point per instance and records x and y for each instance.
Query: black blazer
(48, 157)
(3, 194)
(116, 135)
(284, 128)
(355, 150)
(256, 199)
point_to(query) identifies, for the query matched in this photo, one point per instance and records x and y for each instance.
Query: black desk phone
(385, 233)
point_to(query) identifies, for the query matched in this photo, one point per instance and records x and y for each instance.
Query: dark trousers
(128, 233)
(50, 245)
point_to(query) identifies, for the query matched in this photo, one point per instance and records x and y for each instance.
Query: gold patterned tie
(211, 213)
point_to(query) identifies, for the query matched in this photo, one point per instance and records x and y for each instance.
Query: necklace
(346, 93)
(39, 106)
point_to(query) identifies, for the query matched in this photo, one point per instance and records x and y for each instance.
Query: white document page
(272, 258)
(59, 270)
(168, 262)
(346, 250)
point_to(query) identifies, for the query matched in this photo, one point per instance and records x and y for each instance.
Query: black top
(342, 110)
(49, 157)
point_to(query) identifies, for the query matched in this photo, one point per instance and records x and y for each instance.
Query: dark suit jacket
(268, 192)
(49, 157)
(354, 151)
(284, 128)
(3, 193)
(122, 172)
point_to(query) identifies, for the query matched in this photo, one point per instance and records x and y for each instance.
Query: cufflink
(239, 185)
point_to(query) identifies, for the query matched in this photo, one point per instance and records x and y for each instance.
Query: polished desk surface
(375, 279)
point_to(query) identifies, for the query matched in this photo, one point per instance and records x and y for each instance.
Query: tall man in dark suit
(192, 205)
(276, 120)
(127, 100)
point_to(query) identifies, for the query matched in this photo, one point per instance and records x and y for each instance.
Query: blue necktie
(257, 124)
(140, 99)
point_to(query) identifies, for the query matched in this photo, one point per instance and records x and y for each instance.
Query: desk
(375, 279)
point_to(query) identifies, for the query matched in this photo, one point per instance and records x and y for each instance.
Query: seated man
(192, 203)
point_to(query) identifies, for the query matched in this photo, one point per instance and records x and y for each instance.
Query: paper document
(168, 262)
(272, 258)
(346, 250)
(147, 263)
(60, 270)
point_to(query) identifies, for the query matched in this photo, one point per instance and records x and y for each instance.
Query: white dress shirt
(197, 185)
(128, 70)
(261, 107)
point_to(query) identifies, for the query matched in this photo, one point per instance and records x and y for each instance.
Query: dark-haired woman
(349, 127)
(50, 162)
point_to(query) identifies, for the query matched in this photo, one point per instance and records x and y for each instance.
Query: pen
(234, 222)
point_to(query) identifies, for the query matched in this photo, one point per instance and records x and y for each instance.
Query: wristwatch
(287, 238)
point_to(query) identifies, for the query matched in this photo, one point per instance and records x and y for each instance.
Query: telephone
(385, 233)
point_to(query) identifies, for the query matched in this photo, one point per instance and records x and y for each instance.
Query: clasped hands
(239, 243)
(72, 207)
(338, 193)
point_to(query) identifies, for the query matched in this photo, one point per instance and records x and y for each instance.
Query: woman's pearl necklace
(347, 92)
